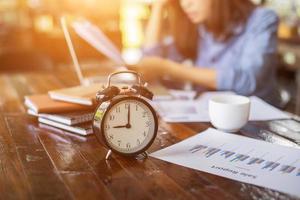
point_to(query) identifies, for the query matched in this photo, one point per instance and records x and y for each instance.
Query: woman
(232, 44)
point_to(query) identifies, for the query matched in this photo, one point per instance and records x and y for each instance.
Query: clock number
(144, 134)
(111, 117)
(148, 123)
(128, 145)
(144, 114)
(126, 105)
(136, 107)
(106, 127)
(138, 141)
(118, 109)
(119, 142)
(111, 137)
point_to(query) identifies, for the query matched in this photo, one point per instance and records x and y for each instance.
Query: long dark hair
(225, 16)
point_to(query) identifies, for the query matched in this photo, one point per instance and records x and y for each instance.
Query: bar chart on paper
(239, 158)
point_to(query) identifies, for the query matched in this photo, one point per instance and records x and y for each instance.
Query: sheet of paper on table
(238, 158)
(180, 111)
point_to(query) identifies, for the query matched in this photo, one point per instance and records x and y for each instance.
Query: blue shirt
(245, 64)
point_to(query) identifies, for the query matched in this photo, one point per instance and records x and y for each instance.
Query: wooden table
(39, 163)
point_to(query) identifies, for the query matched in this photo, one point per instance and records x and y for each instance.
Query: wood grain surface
(40, 162)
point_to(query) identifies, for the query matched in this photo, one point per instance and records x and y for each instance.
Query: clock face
(129, 126)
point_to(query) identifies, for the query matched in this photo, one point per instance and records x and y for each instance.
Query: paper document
(176, 111)
(261, 111)
(96, 38)
(238, 158)
(182, 111)
(183, 94)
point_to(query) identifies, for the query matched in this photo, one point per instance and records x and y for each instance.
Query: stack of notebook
(70, 109)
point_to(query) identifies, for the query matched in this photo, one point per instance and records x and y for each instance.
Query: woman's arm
(155, 67)
(153, 33)
(154, 42)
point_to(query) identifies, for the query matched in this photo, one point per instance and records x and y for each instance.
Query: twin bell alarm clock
(124, 121)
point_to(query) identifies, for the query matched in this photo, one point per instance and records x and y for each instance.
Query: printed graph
(235, 157)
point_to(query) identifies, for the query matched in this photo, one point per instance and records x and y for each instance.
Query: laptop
(99, 41)
(74, 57)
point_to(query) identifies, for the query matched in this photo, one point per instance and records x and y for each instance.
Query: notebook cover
(44, 104)
(84, 95)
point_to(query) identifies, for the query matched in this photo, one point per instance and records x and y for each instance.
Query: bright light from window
(132, 15)
(44, 23)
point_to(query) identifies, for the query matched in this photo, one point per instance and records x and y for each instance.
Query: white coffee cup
(229, 112)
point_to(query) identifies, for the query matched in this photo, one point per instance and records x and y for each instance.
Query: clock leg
(142, 156)
(146, 154)
(108, 155)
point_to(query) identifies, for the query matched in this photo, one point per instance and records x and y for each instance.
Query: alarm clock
(124, 120)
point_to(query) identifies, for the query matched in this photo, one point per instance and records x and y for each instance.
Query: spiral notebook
(81, 129)
(71, 118)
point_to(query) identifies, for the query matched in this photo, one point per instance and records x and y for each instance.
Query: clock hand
(120, 126)
(128, 125)
(128, 117)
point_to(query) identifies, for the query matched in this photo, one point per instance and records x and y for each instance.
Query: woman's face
(196, 10)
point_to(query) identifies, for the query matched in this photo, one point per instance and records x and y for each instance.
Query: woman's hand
(154, 31)
(161, 3)
(151, 67)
